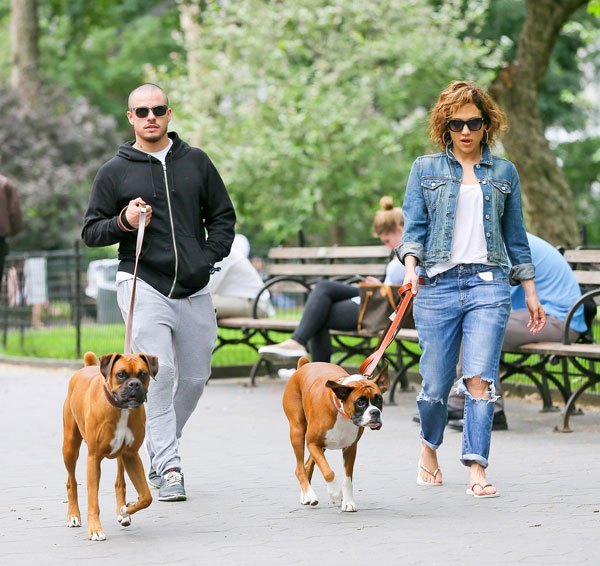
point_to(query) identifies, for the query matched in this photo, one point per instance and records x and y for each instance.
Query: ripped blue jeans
(467, 304)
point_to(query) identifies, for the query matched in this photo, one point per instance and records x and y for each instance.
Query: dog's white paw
(97, 535)
(308, 498)
(74, 521)
(123, 518)
(349, 505)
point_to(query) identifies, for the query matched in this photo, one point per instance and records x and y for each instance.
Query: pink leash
(138, 249)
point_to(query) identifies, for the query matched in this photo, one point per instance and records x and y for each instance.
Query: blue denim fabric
(430, 206)
(453, 307)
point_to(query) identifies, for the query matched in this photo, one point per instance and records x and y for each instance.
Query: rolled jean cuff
(409, 248)
(520, 272)
(432, 446)
(468, 459)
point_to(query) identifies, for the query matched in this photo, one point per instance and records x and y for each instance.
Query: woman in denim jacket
(463, 215)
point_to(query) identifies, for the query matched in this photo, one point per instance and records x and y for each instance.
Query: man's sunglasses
(143, 111)
(456, 125)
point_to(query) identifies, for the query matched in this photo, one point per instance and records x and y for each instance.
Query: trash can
(102, 285)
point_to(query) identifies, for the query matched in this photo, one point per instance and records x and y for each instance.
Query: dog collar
(339, 407)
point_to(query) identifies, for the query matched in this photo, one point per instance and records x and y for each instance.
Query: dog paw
(309, 498)
(74, 521)
(349, 506)
(123, 518)
(97, 535)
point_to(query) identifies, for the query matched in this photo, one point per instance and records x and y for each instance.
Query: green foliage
(581, 164)
(560, 99)
(100, 49)
(314, 109)
(52, 152)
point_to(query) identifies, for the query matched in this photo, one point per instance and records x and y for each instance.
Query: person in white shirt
(234, 288)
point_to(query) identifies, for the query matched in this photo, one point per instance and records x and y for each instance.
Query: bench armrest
(274, 281)
(584, 298)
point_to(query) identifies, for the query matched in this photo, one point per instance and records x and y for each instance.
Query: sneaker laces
(173, 478)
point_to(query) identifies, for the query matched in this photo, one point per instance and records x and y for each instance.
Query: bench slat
(326, 269)
(590, 351)
(329, 252)
(582, 256)
(587, 277)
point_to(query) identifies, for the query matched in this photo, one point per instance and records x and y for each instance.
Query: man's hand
(132, 214)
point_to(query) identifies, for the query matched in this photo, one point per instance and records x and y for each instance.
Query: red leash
(368, 366)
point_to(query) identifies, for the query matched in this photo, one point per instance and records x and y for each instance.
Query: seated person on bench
(335, 305)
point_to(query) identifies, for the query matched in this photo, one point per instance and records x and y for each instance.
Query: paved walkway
(243, 505)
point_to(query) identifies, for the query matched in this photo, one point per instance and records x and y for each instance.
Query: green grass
(60, 343)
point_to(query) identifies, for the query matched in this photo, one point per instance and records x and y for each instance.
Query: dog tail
(303, 360)
(90, 359)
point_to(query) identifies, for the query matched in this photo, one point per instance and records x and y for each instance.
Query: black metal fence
(59, 304)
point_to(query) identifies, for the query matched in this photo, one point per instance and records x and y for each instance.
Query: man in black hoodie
(190, 226)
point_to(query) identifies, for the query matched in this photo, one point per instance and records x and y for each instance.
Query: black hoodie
(193, 220)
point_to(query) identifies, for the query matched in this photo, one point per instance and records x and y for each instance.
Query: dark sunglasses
(456, 125)
(143, 111)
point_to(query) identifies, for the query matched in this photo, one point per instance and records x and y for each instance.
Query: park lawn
(59, 342)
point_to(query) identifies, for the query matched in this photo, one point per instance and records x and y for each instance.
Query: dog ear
(341, 391)
(382, 379)
(152, 363)
(302, 361)
(106, 364)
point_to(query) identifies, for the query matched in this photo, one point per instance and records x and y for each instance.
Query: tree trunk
(547, 197)
(25, 78)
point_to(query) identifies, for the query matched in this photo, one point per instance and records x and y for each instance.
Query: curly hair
(457, 94)
(388, 218)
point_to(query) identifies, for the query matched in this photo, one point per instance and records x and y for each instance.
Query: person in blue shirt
(558, 290)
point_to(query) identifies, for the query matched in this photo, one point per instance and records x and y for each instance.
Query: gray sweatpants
(182, 333)
(516, 334)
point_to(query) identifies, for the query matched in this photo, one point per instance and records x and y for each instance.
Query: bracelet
(121, 224)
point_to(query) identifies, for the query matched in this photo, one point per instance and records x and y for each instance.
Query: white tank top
(468, 236)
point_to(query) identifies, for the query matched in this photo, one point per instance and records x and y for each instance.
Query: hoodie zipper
(164, 166)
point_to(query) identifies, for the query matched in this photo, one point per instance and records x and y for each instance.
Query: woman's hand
(410, 275)
(537, 316)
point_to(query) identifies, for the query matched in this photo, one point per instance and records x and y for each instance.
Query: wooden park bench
(291, 273)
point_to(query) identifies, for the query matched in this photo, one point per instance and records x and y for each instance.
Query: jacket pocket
(432, 190)
(193, 269)
(502, 186)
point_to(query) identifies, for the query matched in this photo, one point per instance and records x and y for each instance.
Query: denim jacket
(430, 207)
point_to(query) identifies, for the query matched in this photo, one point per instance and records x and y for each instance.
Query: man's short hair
(146, 87)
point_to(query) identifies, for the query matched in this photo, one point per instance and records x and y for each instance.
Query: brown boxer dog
(105, 407)
(329, 409)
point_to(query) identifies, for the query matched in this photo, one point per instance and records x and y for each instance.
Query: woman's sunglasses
(143, 111)
(456, 125)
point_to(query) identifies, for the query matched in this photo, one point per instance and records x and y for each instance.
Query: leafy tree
(546, 193)
(314, 109)
(52, 151)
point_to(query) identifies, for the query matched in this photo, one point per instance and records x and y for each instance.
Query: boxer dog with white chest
(105, 407)
(328, 409)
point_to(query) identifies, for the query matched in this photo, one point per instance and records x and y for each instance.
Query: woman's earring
(447, 141)
(487, 137)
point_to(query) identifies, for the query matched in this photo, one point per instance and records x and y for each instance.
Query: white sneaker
(277, 350)
(285, 373)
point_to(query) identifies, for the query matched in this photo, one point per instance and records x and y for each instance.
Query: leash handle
(368, 366)
(138, 249)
